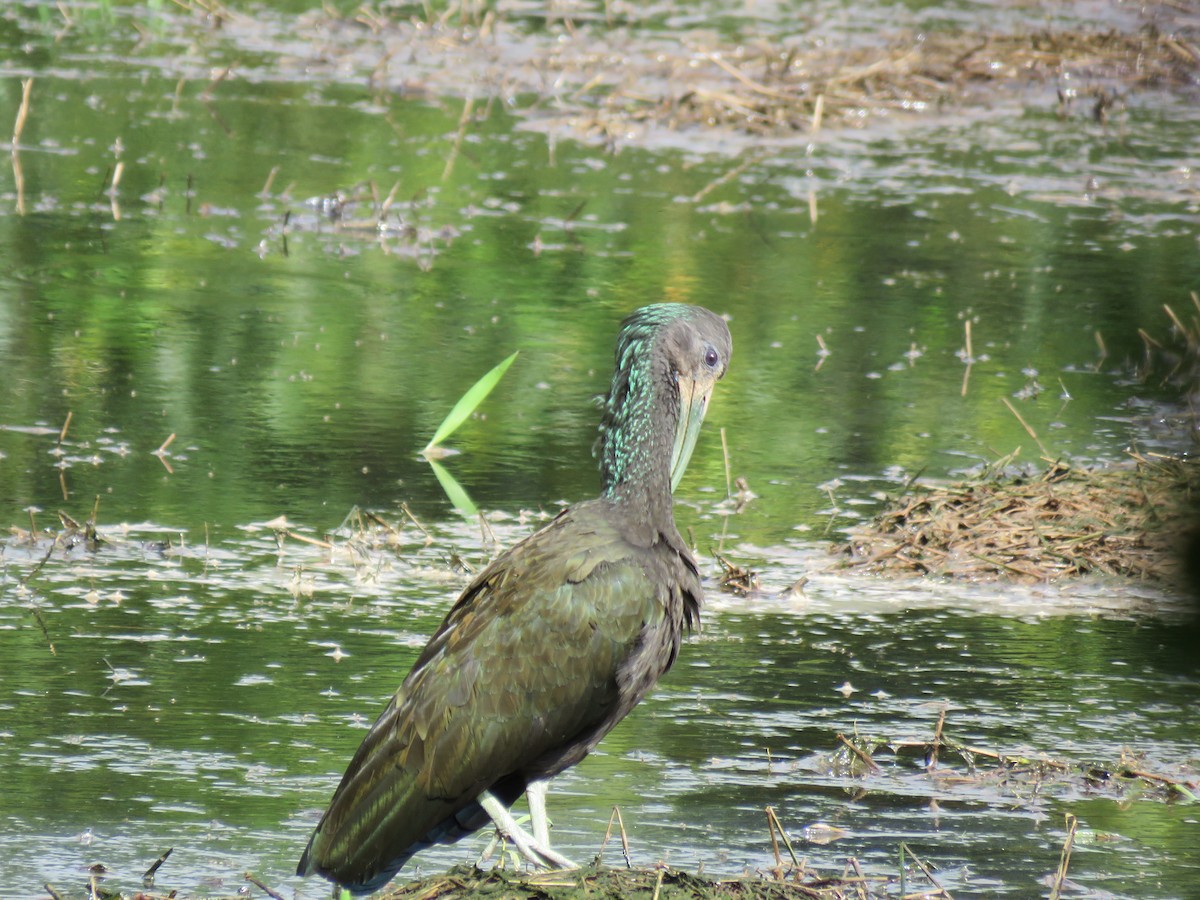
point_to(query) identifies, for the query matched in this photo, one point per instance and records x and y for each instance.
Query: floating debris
(611, 83)
(735, 579)
(955, 767)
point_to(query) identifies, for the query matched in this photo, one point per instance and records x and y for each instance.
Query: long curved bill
(693, 404)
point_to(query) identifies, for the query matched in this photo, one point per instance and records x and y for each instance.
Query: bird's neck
(636, 438)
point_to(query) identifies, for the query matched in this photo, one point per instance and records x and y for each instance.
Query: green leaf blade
(470, 401)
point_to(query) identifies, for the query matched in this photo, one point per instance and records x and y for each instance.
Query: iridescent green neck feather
(668, 358)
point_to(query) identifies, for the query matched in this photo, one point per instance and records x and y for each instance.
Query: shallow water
(207, 700)
(195, 684)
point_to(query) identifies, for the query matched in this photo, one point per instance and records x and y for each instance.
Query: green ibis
(552, 644)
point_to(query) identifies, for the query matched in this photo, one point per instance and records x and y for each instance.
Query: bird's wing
(524, 665)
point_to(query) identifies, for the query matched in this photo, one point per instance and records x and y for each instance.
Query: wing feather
(521, 677)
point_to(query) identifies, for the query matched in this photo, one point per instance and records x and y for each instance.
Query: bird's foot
(537, 852)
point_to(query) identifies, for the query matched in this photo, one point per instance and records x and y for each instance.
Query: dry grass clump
(1120, 520)
(655, 882)
(767, 87)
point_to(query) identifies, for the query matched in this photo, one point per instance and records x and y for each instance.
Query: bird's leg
(535, 793)
(536, 852)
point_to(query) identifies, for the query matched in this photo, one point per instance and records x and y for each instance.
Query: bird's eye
(711, 357)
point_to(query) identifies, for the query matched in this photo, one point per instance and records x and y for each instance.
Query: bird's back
(543, 653)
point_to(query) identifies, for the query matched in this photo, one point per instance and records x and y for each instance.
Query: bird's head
(669, 357)
(697, 347)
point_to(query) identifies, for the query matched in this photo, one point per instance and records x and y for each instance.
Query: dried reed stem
(274, 895)
(658, 884)
(1064, 860)
(615, 817)
(266, 188)
(775, 826)
(412, 518)
(305, 539)
(206, 94)
(1033, 434)
(937, 740)
(725, 454)
(387, 202)
(862, 755)
(463, 121)
(22, 111)
(941, 891)
(968, 358)
(18, 127)
(725, 178)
